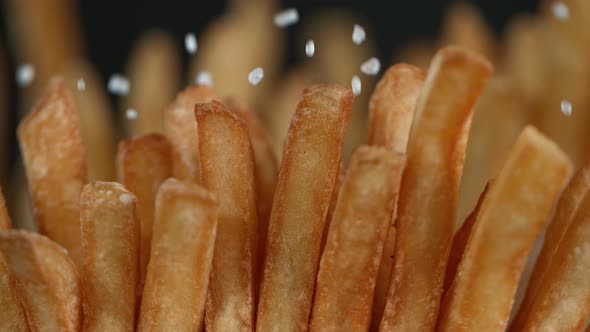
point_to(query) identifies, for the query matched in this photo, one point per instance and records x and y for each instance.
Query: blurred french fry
(47, 280)
(228, 170)
(181, 129)
(182, 249)
(416, 52)
(153, 70)
(54, 157)
(143, 163)
(565, 211)
(348, 270)
(110, 252)
(306, 179)
(511, 216)
(429, 191)
(5, 222)
(12, 315)
(96, 119)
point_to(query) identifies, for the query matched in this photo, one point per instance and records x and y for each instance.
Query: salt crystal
(81, 84)
(255, 76)
(566, 107)
(560, 11)
(25, 74)
(358, 34)
(371, 66)
(126, 198)
(286, 18)
(131, 114)
(310, 48)
(118, 85)
(355, 83)
(204, 78)
(190, 43)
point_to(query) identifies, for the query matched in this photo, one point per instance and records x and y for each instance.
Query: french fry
(12, 315)
(348, 268)
(182, 248)
(47, 280)
(181, 130)
(110, 252)
(429, 191)
(565, 211)
(384, 275)
(228, 170)
(511, 216)
(306, 179)
(332, 206)
(5, 223)
(54, 157)
(143, 163)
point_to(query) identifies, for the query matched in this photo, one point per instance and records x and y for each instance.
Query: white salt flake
(25, 74)
(286, 17)
(309, 48)
(204, 78)
(355, 83)
(190, 43)
(118, 85)
(371, 66)
(81, 84)
(126, 198)
(358, 34)
(561, 11)
(131, 114)
(255, 76)
(566, 107)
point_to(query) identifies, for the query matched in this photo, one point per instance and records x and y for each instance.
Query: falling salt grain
(358, 34)
(286, 18)
(25, 74)
(204, 78)
(560, 11)
(131, 114)
(255, 76)
(81, 84)
(566, 107)
(190, 43)
(371, 66)
(118, 85)
(310, 48)
(355, 83)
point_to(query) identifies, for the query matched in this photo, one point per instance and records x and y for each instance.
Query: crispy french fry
(429, 191)
(566, 210)
(47, 280)
(110, 253)
(181, 130)
(228, 170)
(348, 268)
(306, 179)
(143, 163)
(54, 157)
(384, 275)
(4, 217)
(182, 248)
(511, 216)
(12, 315)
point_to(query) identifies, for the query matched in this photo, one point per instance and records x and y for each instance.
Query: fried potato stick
(143, 163)
(54, 157)
(110, 253)
(12, 315)
(429, 191)
(306, 179)
(348, 268)
(5, 222)
(510, 218)
(182, 248)
(47, 280)
(228, 170)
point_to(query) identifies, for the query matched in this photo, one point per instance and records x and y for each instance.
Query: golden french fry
(565, 211)
(143, 163)
(228, 170)
(332, 206)
(181, 130)
(54, 157)
(511, 216)
(429, 191)
(110, 253)
(348, 268)
(182, 249)
(306, 179)
(47, 280)
(4, 217)
(12, 315)
(154, 73)
(384, 275)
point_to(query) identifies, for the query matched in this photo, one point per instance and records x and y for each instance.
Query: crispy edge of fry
(565, 213)
(497, 250)
(143, 163)
(181, 129)
(54, 158)
(110, 253)
(5, 222)
(429, 190)
(12, 316)
(228, 169)
(306, 178)
(182, 251)
(348, 268)
(47, 279)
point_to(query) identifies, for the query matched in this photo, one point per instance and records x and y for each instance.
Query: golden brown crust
(12, 316)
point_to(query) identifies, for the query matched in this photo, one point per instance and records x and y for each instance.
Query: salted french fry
(228, 170)
(306, 179)
(429, 192)
(5, 222)
(154, 73)
(12, 315)
(511, 216)
(565, 211)
(143, 163)
(348, 268)
(47, 280)
(54, 157)
(182, 248)
(181, 130)
(110, 253)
